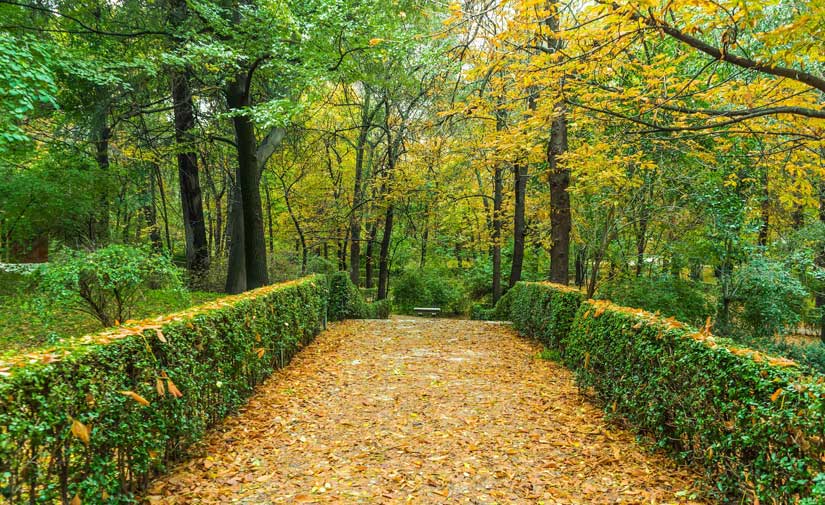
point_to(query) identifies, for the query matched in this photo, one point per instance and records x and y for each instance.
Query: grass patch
(28, 322)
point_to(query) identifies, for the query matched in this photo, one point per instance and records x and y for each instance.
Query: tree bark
(368, 260)
(237, 99)
(358, 190)
(197, 249)
(560, 218)
(519, 223)
(236, 266)
(99, 221)
(498, 189)
(384, 255)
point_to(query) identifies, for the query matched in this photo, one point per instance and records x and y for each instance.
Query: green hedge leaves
(347, 302)
(754, 422)
(78, 425)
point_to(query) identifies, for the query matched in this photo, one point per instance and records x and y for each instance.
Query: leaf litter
(423, 411)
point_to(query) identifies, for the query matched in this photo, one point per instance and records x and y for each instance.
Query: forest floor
(423, 411)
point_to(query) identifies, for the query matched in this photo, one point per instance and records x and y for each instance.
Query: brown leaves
(81, 431)
(776, 394)
(169, 385)
(421, 412)
(75, 500)
(136, 397)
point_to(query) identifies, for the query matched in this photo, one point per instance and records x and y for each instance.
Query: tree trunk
(498, 188)
(99, 221)
(368, 262)
(560, 219)
(236, 266)
(384, 256)
(197, 249)
(249, 181)
(150, 213)
(519, 222)
(424, 238)
(357, 195)
(819, 298)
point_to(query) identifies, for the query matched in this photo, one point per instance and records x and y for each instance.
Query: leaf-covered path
(422, 411)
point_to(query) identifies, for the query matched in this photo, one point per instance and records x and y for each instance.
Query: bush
(756, 423)
(347, 302)
(107, 282)
(501, 311)
(543, 310)
(427, 288)
(671, 296)
(771, 298)
(98, 422)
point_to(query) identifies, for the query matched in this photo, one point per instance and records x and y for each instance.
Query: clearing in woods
(422, 411)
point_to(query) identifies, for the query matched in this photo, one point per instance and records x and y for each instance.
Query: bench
(426, 311)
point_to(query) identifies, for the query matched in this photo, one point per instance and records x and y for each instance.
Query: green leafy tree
(105, 283)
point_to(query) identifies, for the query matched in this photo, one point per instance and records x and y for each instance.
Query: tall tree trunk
(237, 99)
(357, 195)
(498, 189)
(424, 238)
(368, 260)
(194, 225)
(384, 255)
(150, 213)
(560, 218)
(559, 176)
(236, 266)
(764, 211)
(269, 220)
(819, 298)
(519, 223)
(99, 221)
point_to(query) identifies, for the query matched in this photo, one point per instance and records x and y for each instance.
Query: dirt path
(422, 411)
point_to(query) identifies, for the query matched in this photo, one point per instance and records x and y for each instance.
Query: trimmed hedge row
(346, 301)
(754, 422)
(95, 424)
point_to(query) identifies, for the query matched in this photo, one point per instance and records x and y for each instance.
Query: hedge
(754, 422)
(346, 301)
(94, 424)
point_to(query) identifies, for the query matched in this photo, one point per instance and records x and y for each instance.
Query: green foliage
(30, 322)
(347, 302)
(428, 288)
(754, 423)
(543, 310)
(501, 312)
(26, 81)
(812, 355)
(106, 282)
(213, 355)
(771, 298)
(671, 296)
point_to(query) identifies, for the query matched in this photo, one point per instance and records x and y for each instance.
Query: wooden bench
(426, 311)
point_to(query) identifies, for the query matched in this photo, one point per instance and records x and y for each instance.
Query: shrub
(347, 302)
(771, 298)
(544, 310)
(668, 295)
(107, 282)
(754, 422)
(98, 422)
(428, 288)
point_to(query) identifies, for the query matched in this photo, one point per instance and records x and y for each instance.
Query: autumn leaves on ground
(422, 411)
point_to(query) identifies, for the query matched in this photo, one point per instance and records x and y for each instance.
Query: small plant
(105, 283)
